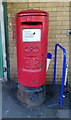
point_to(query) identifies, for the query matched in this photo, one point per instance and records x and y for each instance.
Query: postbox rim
(32, 12)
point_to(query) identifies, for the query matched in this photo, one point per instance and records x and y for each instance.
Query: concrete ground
(12, 108)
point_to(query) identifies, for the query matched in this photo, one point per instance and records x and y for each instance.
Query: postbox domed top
(32, 12)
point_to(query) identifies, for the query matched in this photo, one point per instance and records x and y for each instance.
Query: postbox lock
(34, 33)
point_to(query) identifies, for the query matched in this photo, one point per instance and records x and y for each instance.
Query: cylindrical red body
(32, 34)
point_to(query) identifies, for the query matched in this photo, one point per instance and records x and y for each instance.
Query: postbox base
(32, 97)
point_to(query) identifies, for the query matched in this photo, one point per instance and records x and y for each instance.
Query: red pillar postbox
(32, 33)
